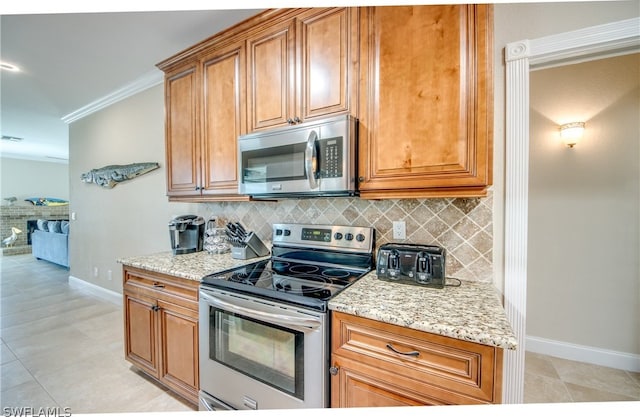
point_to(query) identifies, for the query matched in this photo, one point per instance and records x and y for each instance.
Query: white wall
(584, 206)
(24, 178)
(131, 218)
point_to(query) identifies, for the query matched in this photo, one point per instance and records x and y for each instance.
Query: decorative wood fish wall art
(110, 175)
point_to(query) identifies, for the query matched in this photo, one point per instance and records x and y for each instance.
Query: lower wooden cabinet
(161, 329)
(377, 364)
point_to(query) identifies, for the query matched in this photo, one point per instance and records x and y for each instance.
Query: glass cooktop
(306, 284)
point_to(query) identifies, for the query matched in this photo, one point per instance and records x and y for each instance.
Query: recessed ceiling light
(9, 67)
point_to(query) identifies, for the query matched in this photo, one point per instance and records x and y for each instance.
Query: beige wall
(24, 178)
(584, 206)
(517, 21)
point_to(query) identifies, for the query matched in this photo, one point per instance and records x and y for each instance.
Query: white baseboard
(105, 294)
(604, 357)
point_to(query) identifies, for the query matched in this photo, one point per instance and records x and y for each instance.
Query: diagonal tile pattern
(463, 226)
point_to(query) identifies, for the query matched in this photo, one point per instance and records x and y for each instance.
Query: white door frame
(595, 42)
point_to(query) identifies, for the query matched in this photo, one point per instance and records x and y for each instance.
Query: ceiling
(70, 60)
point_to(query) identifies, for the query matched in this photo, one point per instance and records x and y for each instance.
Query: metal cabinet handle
(158, 285)
(411, 353)
(334, 370)
(361, 179)
(296, 120)
(155, 308)
(290, 120)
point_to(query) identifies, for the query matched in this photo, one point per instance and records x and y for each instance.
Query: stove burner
(309, 287)
(244, 277)
(304, 269)
(335, 273)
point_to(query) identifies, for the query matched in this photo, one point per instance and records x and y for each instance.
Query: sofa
(50, 241)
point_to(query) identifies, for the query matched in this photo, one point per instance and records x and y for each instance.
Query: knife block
(253, 248)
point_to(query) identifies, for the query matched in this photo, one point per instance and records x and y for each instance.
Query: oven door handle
(311, 164)
(297, 323)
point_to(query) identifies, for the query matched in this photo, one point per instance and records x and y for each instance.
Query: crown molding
(145, 82)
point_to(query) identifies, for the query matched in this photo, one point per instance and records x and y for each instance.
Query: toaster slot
(423, 267)
(393, 264)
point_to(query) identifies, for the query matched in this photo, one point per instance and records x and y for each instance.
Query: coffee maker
(186, 234)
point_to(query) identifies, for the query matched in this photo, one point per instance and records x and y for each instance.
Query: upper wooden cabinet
(302, 67)
(223, 118)
(418, 79)
(426, 107)
(182, 140)
(205, 114)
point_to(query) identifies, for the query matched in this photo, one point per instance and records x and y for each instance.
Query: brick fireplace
(22, 216)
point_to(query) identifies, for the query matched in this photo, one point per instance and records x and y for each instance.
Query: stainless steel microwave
(311, 159)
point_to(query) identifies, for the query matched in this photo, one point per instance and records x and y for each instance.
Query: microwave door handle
(292, 322)
(311, 160)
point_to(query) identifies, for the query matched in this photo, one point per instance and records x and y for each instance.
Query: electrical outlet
(95, 271)
(109, 275)
(399, 230)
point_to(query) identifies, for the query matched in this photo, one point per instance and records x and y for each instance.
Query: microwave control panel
(331, 157)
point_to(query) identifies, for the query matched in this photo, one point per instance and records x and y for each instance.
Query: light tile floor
(61, 347)
(554, 380)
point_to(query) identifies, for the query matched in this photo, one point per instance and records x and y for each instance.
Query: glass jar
(215, 240)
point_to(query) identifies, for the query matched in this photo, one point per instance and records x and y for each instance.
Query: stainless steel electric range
(264, 327)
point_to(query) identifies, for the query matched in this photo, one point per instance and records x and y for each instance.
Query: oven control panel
(350, 238)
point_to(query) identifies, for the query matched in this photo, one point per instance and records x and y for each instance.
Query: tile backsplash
(463, 226)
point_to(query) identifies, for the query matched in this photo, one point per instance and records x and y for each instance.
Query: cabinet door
(182, 136)
(359, 385)
(179, 345)
(223, 118)
(426, 101)
(271, 78)
(140, 332)
(328, 50)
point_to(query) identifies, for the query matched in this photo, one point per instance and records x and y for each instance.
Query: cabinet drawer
(183, 292)
(465, 368)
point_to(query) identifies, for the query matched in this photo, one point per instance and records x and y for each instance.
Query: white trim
(605, 357)
(146, 81)
(519, 56)
(515, 217)
(622, 35)
(96, 290)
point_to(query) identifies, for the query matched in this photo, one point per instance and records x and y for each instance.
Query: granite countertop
(470, 312)
(190, 265)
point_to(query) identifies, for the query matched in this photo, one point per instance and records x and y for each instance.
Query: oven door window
(266, 352)
(278, 163)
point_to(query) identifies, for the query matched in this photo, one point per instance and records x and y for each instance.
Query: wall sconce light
(571, 132)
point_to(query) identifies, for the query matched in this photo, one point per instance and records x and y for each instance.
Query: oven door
(257, 354)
